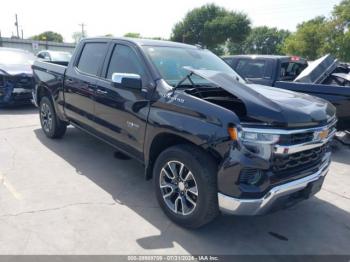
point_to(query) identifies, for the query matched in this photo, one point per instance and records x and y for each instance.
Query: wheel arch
(43, 90)
(165, 140)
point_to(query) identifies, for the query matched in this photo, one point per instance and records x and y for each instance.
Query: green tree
(320, 36)
(138, 35)
(211, 26)
(77, 36)
(340, 29)
(341, 13)
(49, 36)
(309, 39)
(133, 35)
(262, 40)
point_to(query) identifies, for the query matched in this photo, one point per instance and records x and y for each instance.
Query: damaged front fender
(16, 89)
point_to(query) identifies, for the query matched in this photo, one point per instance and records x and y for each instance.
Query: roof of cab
(259, 56)
(144, 42)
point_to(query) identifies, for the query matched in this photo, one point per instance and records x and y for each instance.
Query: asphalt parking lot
(71, 196)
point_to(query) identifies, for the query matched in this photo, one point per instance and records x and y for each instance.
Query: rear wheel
(185, 185)
(52, 126)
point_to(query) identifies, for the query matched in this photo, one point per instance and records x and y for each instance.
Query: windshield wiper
(187, 77)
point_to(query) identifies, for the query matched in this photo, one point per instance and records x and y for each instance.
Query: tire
(52, 126)
(176, 195)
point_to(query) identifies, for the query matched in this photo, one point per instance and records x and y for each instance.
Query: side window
(91, 58)
(124, 60)
(290, 70)
(47, 56)
(41, 55)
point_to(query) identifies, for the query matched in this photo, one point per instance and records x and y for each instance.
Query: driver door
(121, 113)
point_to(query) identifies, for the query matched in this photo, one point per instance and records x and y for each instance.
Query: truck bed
(51, 76)
(49, 67)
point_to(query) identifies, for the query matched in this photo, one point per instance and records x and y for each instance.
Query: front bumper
(17, 97)
(282, 195)
(16, 90)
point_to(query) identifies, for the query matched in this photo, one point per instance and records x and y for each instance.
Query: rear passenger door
(80, 83)
(121, 113)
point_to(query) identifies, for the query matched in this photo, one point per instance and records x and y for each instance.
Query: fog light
(251, 176)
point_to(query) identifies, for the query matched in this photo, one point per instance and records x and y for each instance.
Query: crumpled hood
(317, 70)
(272, 105)
(16, 69)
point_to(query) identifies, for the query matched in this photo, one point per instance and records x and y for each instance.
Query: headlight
(258, 143)
(258, 137)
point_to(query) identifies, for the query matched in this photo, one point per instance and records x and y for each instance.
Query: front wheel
(52, 126)
(185, 185)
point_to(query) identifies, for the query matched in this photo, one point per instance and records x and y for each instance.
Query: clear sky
(148, 17)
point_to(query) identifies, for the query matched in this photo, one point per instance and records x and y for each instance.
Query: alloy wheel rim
(178, 187)
(46, 117)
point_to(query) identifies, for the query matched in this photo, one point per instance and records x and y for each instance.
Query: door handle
(69, 81)
(101, 92)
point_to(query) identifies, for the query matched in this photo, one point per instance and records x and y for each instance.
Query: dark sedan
(16, 76)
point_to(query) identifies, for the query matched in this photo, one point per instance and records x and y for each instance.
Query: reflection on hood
(16, 69)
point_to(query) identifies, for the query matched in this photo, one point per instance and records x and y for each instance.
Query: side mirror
(132, 81)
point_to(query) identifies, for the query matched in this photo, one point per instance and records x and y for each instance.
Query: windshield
(170, 62)
(11, 57)
(61, 56)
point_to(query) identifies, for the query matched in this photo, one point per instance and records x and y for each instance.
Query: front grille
(25, 82)
(301, 160)
(298, 138)
(23, 96)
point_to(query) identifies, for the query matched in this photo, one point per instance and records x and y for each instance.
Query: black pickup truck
(325, 78)
(209, 140)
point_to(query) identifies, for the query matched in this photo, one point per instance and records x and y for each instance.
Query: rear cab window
(92, 57)
(254, 68)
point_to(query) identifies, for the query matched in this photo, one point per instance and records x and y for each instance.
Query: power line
(16, 24)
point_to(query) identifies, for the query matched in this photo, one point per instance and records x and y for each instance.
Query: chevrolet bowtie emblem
(321, 135)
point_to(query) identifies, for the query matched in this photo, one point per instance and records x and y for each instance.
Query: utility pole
(82, 30)
(22, 33)
(16, 24)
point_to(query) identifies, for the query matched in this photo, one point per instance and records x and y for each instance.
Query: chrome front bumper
(260, 206)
